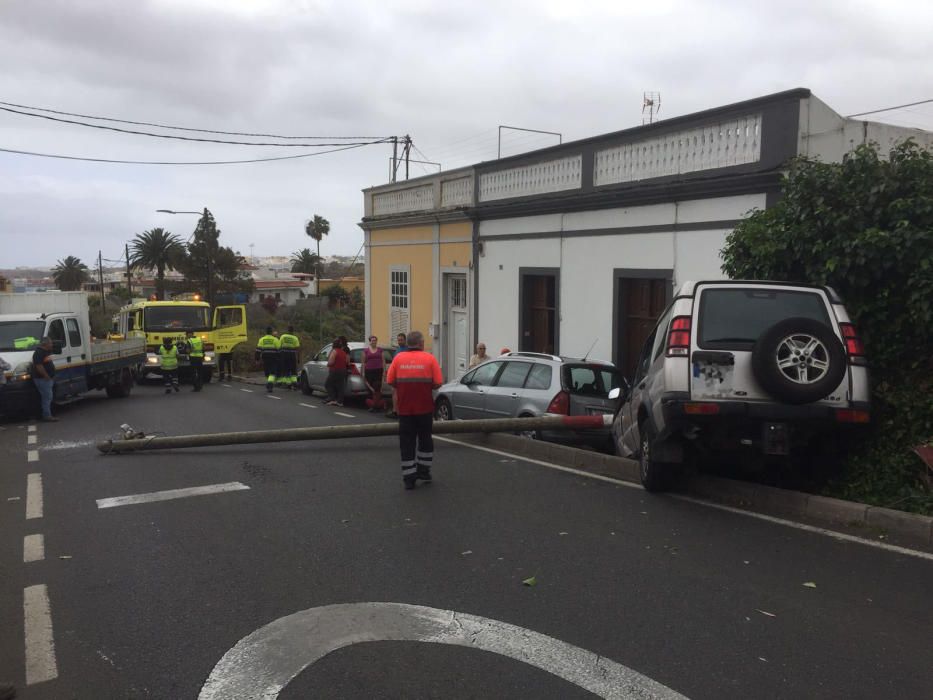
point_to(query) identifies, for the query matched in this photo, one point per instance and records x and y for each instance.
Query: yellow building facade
(419, 253)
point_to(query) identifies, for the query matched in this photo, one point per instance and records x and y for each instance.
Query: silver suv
(521, 384)
(768, 367)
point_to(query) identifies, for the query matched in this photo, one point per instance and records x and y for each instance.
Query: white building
(579, 247)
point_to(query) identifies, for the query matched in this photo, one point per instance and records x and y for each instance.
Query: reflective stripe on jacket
(168, 357)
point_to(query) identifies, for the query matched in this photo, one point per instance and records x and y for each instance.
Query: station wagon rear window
(735, 318)
(592, 380)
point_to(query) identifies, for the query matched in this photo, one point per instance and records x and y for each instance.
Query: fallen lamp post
(139, 442)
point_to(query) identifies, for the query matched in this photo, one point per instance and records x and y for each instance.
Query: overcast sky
(447, 73)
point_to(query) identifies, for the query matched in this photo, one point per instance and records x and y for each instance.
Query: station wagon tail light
(354, 369)
(853, 343)
(701, 409)
(678, 337)
(560, 404)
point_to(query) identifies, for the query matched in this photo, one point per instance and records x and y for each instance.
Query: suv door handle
(514, 396)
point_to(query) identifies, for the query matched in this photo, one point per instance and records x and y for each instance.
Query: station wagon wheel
(304, 385)
(443, 410)
(530, 434)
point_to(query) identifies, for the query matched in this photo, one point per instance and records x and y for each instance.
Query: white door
(456, 329)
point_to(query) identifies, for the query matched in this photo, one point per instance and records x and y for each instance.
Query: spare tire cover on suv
(798, 360)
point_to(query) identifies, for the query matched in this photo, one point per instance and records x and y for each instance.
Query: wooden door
(641, 302)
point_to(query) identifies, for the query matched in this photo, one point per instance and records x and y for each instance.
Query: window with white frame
(399, 299)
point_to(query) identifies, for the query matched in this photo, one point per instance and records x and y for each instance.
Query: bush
(864, 227)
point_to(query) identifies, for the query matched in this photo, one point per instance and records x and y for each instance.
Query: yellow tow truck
(221, 329)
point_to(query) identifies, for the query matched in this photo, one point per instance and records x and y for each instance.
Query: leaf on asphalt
(469, 551)
(745, 561)
(533, 581)
(345, 521)
(761, 658)
(65, 556)
(765, 612)
(15, 498)
(809, 584)
(562, 533)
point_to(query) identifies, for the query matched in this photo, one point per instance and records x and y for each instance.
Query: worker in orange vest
(414, 375)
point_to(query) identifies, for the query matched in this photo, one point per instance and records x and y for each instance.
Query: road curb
(906, 527)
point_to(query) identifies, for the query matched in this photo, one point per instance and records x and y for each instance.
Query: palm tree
(157, 249)
(317, 228)
(70, 273)
(304, 261)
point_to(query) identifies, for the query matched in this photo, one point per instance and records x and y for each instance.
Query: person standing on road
(401, 346)
(267, 350)
(480, 357)
(338, 365)
(168, 363)
(374, 370)
(290, 346)
(43, 373)
(196, 358)
(415, 374)
(225, 360)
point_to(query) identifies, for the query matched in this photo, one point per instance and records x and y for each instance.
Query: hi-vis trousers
(416, 443)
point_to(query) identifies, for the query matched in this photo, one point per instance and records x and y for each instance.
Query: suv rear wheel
(653, 474)
(798, 360)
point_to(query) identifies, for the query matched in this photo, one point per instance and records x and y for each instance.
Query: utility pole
(129, 277)
(100, 277)
(210, 260)
(394, 158)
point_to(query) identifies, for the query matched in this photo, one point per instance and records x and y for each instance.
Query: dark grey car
(530, 384)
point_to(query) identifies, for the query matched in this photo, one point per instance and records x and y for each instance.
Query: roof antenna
(591, 349)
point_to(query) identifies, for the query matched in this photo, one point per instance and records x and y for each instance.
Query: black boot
(410, 482)
(424, 475)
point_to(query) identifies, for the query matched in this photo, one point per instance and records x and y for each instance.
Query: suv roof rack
(689, 287)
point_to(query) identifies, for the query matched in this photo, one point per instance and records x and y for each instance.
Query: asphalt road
(146, 599)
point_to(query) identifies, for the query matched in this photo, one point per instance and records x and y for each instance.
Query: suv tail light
(354, 369)
(560, 404)
(853, 343)
(678, 337)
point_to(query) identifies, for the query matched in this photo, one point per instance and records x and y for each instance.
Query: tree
(69, 274)
(209, 267)
(158, 250)
(317, 228)
(304, 261)
(337, 296)
(865, 228)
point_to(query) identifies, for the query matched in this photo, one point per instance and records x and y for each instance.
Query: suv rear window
(591, 380)
(734, 318)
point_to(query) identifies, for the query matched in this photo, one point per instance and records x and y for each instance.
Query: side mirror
(467, 382)
(615, 393)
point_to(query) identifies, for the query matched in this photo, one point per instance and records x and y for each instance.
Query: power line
(178, 138)
(181, 128)
(888, 109)
(162, 162)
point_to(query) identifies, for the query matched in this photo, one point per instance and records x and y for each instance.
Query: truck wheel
(653, 474)
(798, 360)
(122, 388)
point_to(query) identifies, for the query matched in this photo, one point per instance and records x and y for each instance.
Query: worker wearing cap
(414, 375)
(267, 349)
(290, 346)
(196, 358)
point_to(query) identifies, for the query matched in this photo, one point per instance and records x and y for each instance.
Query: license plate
(775, 439)
(598, 412)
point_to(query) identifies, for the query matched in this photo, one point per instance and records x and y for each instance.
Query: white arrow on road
(263, 663)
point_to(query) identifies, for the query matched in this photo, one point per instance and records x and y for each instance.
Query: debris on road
(809, 584)
(765, 612)
(469, 551)
(533, 581)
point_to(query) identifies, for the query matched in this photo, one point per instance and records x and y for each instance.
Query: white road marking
(33, 496)
(307, 405)
(248, 391)
(270, 396)
(170, 494)
(33, 548)
(751, 514)
(345, 415)
(262, 664)
(32, 439)
(31, 428)
(32, 456)
(41, 664)
(229, 386)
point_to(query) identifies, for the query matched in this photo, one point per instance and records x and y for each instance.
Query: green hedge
(864, 227)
